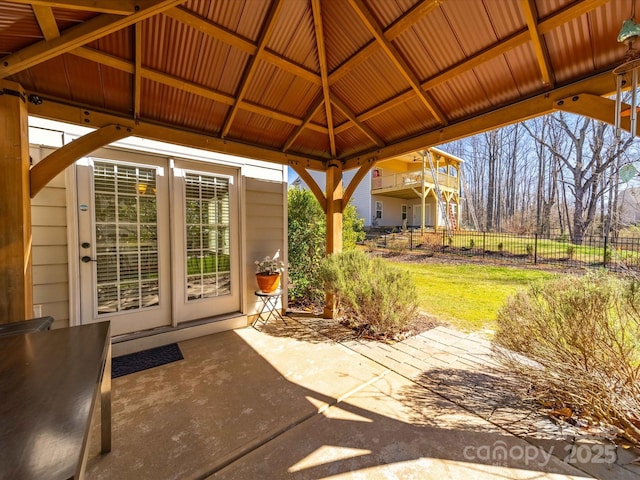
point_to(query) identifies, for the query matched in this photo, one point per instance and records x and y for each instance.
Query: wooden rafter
(46, 21)
(79, 35)
(116, 7)
(322, 59)
(565, 15)
(354, 119)
(393, 31)
(193, 88)
(401, 65)
(225, 36)
(509, 43)
(250, 71)
(296, 133)
(599, 85)
(137, 70)
(530, 13)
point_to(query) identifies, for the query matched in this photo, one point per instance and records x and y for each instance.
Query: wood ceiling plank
(401, 65)
(46, 21)
(250, 70)
(322, 60)
(530, 14)
(116, 7)
(79, 35)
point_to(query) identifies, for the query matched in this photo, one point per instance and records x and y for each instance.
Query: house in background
(395, 192)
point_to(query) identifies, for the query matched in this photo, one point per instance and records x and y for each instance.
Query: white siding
(50, 270)
(265, 210)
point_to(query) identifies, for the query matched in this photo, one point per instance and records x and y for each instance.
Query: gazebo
(329, 85)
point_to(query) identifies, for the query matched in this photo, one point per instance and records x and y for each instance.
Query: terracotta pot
(268, 283)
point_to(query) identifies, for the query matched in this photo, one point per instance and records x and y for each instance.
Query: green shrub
(371, 294)
(583, 334)
(500, 246)
(529, 249)
(307, 237)
(472, 243)
(571, 249)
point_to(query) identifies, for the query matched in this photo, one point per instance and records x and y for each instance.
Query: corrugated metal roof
(432, 70)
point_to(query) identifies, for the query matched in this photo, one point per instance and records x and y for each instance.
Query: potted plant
(268, 272)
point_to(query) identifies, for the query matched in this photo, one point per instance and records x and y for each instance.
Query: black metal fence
(616, 254)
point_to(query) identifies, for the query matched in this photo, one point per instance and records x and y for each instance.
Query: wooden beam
(530, 14)
(593, 106)
(54, 163)
(117, 7)
(312, 184)
(296, 133)
(600, 85)
(184, 85)
(334, 221)
(46, 22)
(79, 35)
(567, 14)
(355, 181)
(223, 35)
(397, 28)
(322, 60)
(250, 71)
(401, 65)
(137, 70)
(16, 301)
(56, 109)
(354, 119)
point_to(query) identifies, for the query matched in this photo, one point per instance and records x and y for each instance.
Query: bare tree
(594, 150)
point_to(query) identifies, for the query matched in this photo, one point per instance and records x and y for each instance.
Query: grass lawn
(468, 296)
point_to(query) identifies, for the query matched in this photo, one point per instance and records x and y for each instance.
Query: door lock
(85, 244)
(87, 259)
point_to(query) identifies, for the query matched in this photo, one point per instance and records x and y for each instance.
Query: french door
(158, 242)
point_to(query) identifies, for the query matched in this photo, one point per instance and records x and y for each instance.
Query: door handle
(87, 259)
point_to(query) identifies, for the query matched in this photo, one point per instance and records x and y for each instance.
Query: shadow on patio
(250, 404)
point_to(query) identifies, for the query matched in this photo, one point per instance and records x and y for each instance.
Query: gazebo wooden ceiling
(310, 82)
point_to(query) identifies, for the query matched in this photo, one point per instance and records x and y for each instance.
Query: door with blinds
(205, 254)
(157, 242)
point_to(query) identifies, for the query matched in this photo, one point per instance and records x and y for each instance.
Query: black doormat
(136, 362)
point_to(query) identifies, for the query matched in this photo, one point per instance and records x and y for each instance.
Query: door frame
(123, 154)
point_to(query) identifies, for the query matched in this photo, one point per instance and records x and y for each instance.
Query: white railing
(412, 179)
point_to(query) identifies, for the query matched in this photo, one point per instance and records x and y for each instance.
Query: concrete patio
(309, 401)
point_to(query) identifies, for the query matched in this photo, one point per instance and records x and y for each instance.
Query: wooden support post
(16, 300)
(334, 220)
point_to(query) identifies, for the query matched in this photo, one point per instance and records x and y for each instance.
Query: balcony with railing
(404, 184)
